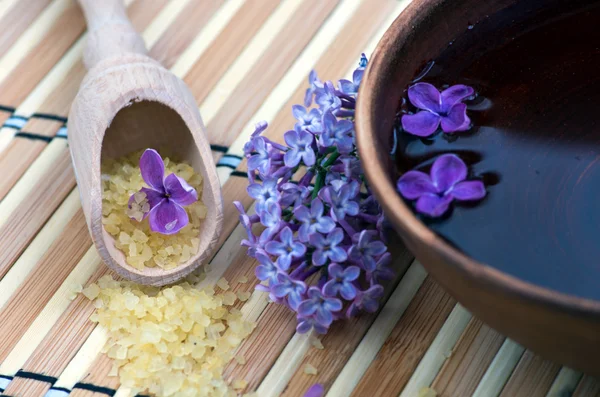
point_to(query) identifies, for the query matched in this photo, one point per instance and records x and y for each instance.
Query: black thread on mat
(240, 174)
(60, 389)
(8, 377)
(48, 116)
(96, 389)
(233, 167)
(35, 376)
(8, 109)
(16, 116)
(219, 148)
(31, 135)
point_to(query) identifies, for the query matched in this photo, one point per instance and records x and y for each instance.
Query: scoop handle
(110, 32)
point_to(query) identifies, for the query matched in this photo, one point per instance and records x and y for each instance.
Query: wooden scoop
(129, 102)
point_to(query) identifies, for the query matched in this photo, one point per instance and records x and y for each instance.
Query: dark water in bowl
(535, 142)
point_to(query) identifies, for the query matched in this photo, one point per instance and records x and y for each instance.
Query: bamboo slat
(532, 377)
(403, 349)
(499, 370)
(468, 361)
(587, 387)
(17, 18)
(565, 383)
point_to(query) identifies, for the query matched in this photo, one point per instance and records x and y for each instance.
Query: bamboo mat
(244, 61)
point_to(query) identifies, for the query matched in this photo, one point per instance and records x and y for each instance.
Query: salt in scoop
(129, 102)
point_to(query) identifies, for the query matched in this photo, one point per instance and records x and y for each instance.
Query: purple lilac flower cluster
(321, 251)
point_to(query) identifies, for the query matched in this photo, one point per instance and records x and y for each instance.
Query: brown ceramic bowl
(558, 326)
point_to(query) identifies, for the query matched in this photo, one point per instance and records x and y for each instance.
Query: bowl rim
(403, 217)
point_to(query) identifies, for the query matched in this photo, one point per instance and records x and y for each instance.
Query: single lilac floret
(266, 270)
(351, 87)
(366, 300)
(437, 108)
(293, 195)
(328, 247)
(271, 219)
(245, 221)
(320, 305)
(264, 194)
(315, 86)
(316, 390)
(366, 249)
(261, 159)
(327, 99)
(305, 324)
(313, 220)
(307, 120)
(342, 200)
(341, 281)
(382, 269)
(166, 196)
(337, 132)
(446, 182)
(300, 143)
(287, 287)
(286, 249)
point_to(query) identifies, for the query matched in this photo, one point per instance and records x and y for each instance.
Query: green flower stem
(319, 183)
(331, 159)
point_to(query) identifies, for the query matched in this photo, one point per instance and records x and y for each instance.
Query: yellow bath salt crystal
(241, 360)
(223, 284)
(317, 344)
(75, 290)
(121, 178)
(310, 370)
(243, 295)
(239, 384)
(229, 298)
(91, 291)
(242, 279)
(427, 392)
(173, 341)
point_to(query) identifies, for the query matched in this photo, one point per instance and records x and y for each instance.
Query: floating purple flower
(166, 196)
(290, 288)
(342, 200)
(271, 219)
(307, 120)
(264, 194)
(327, 98)
(445, 183)
(328, 247)
(286, 249)
(305, 324)
(293, 194)
(366, 249)
(337, 132)
(313, 220)
(315, 86)
(320, 305)
(300, 143)
(341, 281)
(266, 270)
(445, 109)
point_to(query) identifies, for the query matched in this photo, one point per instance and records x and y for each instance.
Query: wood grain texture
(20, 387)
(249, 94)
(469, 360)
(17, 19)
(31, 297)
(205, 73)
(183, 30)
(33, 212)
(38, 62)
(408, 342)
(532, 377)
(588, 387)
